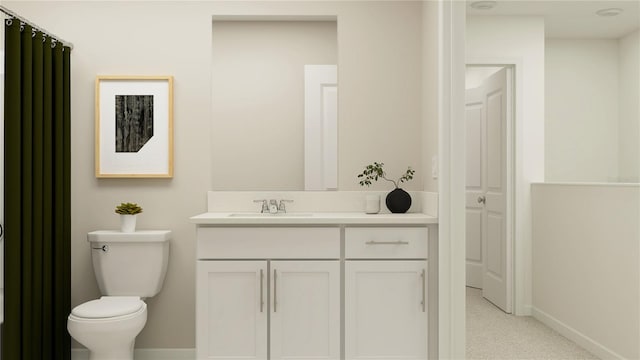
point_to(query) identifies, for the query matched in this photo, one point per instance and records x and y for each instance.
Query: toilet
(129, 268)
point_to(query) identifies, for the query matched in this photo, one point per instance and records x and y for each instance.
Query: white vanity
(314, 285)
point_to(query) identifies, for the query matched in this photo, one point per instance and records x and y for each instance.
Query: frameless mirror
(274, 103)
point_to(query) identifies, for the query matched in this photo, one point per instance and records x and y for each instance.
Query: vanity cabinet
(282, 306)
(231, 310)
(330, 291)
(386, 309)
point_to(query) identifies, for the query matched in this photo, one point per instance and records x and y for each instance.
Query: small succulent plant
(375, 171)
(128, 209)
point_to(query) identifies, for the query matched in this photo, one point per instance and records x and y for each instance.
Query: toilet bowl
(108, 326)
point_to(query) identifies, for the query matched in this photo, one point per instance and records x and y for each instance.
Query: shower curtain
(37, 195)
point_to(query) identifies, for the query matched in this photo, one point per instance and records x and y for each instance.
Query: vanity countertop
(312, 218)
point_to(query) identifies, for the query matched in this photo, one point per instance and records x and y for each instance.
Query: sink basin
(254, 215)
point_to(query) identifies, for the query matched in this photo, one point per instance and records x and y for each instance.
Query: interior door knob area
(482, 200)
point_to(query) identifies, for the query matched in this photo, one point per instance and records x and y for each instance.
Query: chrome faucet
(282, 207)
(265, 206)
(272, 206)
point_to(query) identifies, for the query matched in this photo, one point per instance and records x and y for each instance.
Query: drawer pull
(399, 242)
(275, 291)
(423, 303)
(261, 290)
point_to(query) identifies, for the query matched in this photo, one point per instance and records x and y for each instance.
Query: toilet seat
(108, 307)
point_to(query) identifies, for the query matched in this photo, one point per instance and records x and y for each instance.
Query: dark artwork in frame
(134, 122)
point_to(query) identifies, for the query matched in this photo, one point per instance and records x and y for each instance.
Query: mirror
(258, 102)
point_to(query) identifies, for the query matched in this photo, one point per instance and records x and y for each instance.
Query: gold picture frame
(134, 127)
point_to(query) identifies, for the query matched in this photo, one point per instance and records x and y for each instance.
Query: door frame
(513, 113)
(520, 259)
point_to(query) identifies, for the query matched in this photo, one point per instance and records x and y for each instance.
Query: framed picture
(134, 127)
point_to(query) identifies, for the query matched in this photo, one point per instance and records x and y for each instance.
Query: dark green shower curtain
(37, 196)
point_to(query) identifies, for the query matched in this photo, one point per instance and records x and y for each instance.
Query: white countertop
(315, 218)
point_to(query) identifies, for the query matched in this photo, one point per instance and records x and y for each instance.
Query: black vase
(398, 201)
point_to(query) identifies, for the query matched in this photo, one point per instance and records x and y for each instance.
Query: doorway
(489, 117)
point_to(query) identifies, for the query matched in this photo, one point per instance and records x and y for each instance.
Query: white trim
(145, 354)
(451, 247)
(587, 184)
(576, 336)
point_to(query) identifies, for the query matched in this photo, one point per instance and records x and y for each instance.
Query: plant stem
(395, 184)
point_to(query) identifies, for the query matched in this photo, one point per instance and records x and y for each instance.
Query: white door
(321, 127)
(305, 310)
(487, 108)
(232, 310)
(386, 310)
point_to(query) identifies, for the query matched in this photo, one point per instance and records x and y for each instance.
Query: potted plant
(128, 212)
(398, 200)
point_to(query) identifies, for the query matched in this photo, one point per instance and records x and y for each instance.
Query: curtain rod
(11, 14)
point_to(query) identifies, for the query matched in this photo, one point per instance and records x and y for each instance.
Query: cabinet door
(305, 310)
(386, 310)
(231, 308)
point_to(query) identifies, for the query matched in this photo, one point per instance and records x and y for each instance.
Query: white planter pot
(128, 223)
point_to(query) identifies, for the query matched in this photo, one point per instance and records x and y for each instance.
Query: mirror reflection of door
(487, 107)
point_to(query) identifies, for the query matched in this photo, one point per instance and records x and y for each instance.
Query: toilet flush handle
(104, 248)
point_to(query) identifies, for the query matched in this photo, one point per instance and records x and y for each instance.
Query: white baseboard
(576, 336)
(145, 354)
(523, 310)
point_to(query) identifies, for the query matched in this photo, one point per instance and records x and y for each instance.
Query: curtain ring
(21, 26)
(53, 43)
(33, 32)
(44, 37)
(9, 21)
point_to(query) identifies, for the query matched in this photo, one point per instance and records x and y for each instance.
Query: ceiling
(571, 19)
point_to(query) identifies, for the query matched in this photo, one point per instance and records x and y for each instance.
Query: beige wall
(586, 278)
(629, 125)
(518, 40)
(581, 110)
(258, 100)
(380, 110)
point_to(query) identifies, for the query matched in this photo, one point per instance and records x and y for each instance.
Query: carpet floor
(492, 334)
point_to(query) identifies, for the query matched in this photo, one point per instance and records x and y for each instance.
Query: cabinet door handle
(399, 242)
(261, 290)
(424, 302)
(275, 291)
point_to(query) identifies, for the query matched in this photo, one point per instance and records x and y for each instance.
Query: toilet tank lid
(138, 236)
(108, 306)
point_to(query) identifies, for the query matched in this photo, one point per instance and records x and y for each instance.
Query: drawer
(386, 243)
(268, 243)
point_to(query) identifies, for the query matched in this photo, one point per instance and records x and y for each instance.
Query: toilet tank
(130, 264)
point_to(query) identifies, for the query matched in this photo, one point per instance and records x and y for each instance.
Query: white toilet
(129, 267)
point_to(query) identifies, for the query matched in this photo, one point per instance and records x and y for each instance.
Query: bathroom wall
(519, 40)
(380, 110)
(581, 99)
(258, 107)
(586, 251)
(629, 93)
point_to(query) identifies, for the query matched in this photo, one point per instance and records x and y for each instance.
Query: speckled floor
(492, 334)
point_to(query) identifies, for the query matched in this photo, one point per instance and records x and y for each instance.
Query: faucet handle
(282, 206)
(265, 206)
